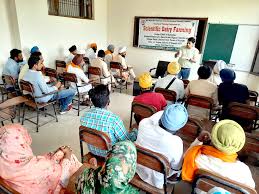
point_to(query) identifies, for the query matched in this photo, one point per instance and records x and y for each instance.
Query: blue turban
(35, 49)
(227, 75)
(174, 117)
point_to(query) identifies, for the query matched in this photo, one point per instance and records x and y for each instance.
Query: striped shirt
(108, 122)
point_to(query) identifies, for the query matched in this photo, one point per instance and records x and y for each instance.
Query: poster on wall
(165, 34)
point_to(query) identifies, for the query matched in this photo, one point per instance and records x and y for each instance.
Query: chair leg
(37, 127)
(12, 120)
(19, 113)
(2, 123)
(78, 105)
(54, 108)
(23, 114)
(44, 110)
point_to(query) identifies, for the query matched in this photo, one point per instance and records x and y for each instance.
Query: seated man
(109, 54)
(147, 96)
(227, 138)
(91, 52)
(34, 76)
(12, 66)
(157, 133)
(120, 58)
(75, 68)
(171, 82)
(202, 87)
(101, 119)
(231, 92)
(72, 54)
(106, 77)
(25, 68)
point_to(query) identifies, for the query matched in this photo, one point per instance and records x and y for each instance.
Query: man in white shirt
(227, 138)
(120, 58)
(75, 68)
(72, 54)
(106, 77)
(188, 55)
(177, 85)
(156, 133)
(91, 52)
(109, 54)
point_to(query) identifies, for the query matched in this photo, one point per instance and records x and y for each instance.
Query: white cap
(80, 52)
(122, 49)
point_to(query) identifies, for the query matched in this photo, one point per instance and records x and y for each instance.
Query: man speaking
(188, 55)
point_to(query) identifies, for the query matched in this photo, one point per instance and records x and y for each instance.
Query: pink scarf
(22, 170)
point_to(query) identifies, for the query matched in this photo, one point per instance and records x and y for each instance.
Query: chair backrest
(95, 138)
(204, 181)
(210, 64)
(253, 96)
(243, 112)
(60, 66)
(51, 72)
(115, 65)
(161, 68)
(26, 86)
(142, 110)
(185, 82)
(69, 77)
(199, 101)
(8, 81)
(5, 189)
(94, 71)
(169, 95)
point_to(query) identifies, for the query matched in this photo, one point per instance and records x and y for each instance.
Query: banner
(165, 34)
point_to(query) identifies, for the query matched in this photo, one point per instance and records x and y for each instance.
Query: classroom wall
(121, 21)
(53, 34)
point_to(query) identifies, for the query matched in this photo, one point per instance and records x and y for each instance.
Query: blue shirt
(108, 122)
(39, 85)
(11, 68)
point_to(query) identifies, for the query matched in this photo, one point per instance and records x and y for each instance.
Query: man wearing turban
(227, 138)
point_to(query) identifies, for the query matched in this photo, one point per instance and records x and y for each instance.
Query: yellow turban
(93, 45)
(228, 136)
(145, 81)
(173, 68)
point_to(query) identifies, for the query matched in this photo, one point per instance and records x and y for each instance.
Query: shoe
(63, 112)
(69, 107)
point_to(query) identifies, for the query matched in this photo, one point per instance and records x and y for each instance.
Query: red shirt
(152, 98)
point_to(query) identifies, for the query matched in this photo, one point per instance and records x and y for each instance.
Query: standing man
(188, 55)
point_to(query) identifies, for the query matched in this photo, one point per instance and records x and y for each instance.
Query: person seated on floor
(109, 54)
(158, 134)
(120, 58)
(34, 76)
(202, 87)
(13, 64)
(26, 173)
(25, 68)
(231, 92)
(171, 81)
(75, 68)
(101, 119)
(227, 138)
(147, 96)
(114, 176)
(106, 77)
(91, 52)
(72, 54)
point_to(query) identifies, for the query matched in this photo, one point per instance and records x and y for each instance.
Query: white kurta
(90, 54)
(81, 77)
(118, 58)
(156, 139)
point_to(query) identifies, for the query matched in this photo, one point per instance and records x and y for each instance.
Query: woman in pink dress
(27, 173)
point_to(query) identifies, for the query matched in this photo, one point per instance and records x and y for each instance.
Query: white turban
(122, 49)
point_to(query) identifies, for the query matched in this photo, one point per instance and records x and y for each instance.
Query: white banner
(165, 34)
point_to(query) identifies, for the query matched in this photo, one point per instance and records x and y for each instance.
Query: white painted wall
(55, 34)
(121, 15)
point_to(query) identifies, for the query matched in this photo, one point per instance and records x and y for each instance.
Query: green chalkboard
(220, 42)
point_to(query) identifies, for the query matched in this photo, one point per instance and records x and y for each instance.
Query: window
(71, 8)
